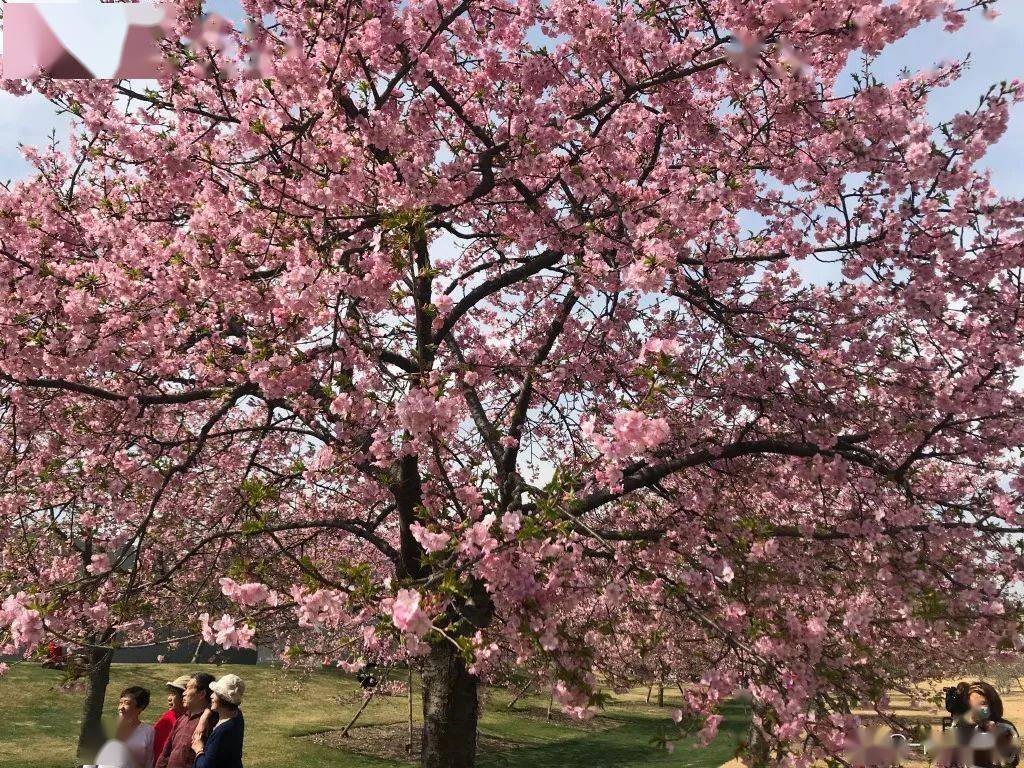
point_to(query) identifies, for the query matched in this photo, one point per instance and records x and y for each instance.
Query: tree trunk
(409, 746)
(518, 696)
(757, 750)
(450, 709)
(364, 705)
(91, 736)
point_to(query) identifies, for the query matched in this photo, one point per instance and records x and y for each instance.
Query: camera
(367, 676)
(956, 701)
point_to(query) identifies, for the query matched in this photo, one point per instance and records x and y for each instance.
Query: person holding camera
(982, 737)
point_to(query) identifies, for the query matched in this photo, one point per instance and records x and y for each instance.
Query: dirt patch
(355, 697)
(388, 741)
(594, 725)
(911, 720)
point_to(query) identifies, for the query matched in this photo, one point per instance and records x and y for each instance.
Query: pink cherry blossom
(100, 563)
(244, 594)
(407, 615)
(225, 633)
(430, 541)
(24, 624)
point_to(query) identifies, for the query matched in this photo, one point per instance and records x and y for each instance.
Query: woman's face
(979, 706)
(215, 702)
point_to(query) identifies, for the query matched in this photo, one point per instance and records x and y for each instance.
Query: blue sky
(996, 49)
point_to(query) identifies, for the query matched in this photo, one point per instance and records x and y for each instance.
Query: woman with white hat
(222, 747)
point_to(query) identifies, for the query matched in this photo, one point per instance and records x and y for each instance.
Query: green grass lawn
(39, 725)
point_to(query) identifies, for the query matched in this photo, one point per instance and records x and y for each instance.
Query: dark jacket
(223, 748)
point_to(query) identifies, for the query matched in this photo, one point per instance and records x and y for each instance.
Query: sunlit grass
(39, 725)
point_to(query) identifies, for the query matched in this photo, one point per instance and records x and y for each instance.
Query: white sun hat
(179, 683)
(230, 688)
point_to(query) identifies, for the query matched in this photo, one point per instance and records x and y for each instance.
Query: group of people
(203, 726)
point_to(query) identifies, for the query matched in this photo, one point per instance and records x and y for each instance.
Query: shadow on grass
(630, 744)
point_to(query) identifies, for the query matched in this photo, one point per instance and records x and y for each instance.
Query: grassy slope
(40, 723)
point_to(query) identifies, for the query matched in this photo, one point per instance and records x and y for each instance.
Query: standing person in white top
(133, 741)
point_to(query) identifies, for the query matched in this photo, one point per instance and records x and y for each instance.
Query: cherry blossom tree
(476, 334)
(89, 564)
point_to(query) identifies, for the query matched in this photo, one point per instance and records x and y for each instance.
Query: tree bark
(366, 702)
(409, 747)
(91, 735)
(758, 750)
(522, 692)
(450, 709)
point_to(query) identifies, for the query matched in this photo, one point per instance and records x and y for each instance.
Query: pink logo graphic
(85, 39)
(89, 39)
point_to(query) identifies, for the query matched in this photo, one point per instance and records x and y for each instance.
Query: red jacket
(163, 728)
(177, 752)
